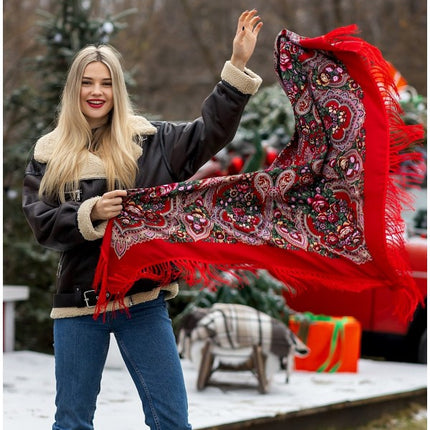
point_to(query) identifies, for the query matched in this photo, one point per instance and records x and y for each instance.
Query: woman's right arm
(55, 226)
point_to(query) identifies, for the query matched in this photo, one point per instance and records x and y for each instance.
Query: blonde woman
(75, 183)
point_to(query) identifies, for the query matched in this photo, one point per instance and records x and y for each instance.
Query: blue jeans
(148, 347)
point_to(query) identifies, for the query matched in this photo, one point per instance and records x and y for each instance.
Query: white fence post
(11, 294)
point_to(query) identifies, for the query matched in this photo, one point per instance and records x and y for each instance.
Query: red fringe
(192, 272)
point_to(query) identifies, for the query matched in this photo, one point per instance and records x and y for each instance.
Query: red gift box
(334, 342)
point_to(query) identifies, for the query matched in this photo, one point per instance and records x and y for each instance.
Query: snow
(29, 392)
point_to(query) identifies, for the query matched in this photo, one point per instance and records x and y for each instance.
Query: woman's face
(96, 98)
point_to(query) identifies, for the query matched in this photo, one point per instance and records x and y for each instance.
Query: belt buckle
(90, 298)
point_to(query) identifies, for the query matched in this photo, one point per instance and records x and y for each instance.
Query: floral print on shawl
(309, 198)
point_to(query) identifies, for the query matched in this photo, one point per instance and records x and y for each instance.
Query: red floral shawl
(326, 213)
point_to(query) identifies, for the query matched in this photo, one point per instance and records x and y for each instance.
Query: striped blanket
(233, 326)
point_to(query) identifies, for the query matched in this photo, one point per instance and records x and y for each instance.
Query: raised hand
(248, 27)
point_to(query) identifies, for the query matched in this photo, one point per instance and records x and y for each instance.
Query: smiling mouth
(95, 104)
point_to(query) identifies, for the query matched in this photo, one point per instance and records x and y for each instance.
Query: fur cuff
(247, 82)
(85, 225)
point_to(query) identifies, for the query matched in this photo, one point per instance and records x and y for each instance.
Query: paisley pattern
(310, 198)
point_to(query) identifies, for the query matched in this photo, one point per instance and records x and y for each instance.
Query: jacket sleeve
(187, 146)
(55, 226)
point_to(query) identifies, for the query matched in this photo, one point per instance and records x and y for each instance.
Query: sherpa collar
(94, 167)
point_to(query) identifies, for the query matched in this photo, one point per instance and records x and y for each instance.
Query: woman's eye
(86, 83)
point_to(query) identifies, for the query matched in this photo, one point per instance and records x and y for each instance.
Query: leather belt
(88, 298)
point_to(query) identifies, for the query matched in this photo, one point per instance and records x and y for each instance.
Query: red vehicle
(383, 334)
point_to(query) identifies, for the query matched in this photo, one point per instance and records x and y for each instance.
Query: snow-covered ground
(29, 390)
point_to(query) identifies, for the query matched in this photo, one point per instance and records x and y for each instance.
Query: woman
(75, 183)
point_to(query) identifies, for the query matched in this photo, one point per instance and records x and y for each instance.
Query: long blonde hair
(112, 143)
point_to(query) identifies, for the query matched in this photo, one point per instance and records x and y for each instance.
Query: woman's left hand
(248, 27)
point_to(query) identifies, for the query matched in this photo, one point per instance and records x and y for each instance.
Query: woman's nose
(97, 89)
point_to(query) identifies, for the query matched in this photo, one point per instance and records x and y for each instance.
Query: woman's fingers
(112, 200)
(114, 193)
(109, 205)
(248, 20)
